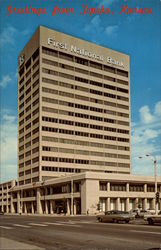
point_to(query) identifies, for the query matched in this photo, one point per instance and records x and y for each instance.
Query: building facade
(74, 108)
(74, 152)
(82, 192)
(5, 195)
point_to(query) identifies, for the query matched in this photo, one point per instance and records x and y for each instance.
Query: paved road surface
(75, 233)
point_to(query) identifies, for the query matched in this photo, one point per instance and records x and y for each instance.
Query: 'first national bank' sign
(83, 52)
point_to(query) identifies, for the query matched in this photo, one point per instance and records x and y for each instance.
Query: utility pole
(156, 202)
(155, 178)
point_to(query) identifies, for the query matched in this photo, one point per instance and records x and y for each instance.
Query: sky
(137, 35)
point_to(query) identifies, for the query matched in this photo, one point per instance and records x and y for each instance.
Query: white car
(142, 213)
(152, 211)
(152, 219)
(139, 213)
(134, 212)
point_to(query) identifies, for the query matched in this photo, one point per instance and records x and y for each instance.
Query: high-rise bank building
(73, 108)
(74, 131)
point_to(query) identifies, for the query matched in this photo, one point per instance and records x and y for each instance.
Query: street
(77, 232)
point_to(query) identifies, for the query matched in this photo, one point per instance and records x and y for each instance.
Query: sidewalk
(52, 215)
(7, 244)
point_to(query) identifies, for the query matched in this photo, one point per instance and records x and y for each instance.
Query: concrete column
(51, 206)
(118, 207)
(145, 203)
(108, 204)
(127, 187)
(108, 186)
(25, 207)
(136, 203)
(74, 208)
(145, 188)
(32, 207)
(12, 207)
(7, 210)
(46, 207)
(127, 204)
(68, 206)
(38, 202)
(18, 202)
(89, 201)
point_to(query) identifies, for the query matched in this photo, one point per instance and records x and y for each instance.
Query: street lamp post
(155, 177)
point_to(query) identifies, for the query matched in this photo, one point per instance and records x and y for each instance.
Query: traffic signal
(157, 197)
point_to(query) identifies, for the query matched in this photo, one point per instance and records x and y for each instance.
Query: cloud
(8, 78)
(144, 135)
(94, 25)
(9, 119)
(96, 21)
(158, 109)
(10, 33)
(8, 141)
(145, 115)
(5, 80)
(146, 139)
(111, 30)
(105, 3)
(7, 36)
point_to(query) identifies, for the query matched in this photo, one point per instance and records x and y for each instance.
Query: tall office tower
(73, 108)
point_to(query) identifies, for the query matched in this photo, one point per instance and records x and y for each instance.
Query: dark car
(115, 216)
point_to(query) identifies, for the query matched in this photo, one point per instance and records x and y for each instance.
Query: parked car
(152, 219)
(152, 211)
(143, 212)
(115, 216)
(134, 212)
